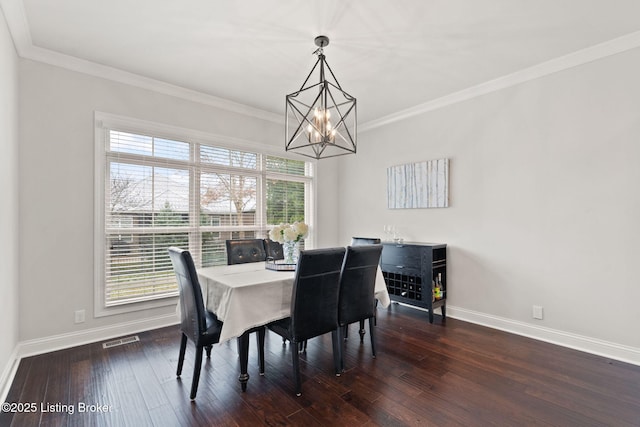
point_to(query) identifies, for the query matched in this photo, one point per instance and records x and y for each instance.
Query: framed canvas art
(418, 185)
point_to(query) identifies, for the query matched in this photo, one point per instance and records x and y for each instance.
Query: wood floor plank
(57, 391)
(449, 373)
(33, 392)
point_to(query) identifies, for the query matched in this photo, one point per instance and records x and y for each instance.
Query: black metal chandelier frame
(308, 123)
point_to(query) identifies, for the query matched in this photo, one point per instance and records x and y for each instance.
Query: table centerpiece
(290, 236)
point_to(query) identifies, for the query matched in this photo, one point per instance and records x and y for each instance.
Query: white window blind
(161, 192)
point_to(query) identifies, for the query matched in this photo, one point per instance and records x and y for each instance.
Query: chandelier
(321, 118)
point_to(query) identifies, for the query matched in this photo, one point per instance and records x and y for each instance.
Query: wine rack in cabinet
(416, 274)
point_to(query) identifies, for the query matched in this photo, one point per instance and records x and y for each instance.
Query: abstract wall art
(418, 185)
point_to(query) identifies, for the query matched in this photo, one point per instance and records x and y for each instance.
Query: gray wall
(56, 170)
(9, 197)
(544, 200)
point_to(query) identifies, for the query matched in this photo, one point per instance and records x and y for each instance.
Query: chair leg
(196, 373)
(346, 332)
(183, 348)
(208, 350)
(372, 329)
(375, 314)
(336, 340)
(295, 358)
(260, 337)
(361, 331)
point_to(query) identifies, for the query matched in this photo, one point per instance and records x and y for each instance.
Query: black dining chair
(356, 301)
(240, 251)
(197, 324)
(314, 304)
(274, 249)
(357, 241)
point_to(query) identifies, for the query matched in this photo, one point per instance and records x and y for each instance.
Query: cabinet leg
(444, 312)
(431, 315)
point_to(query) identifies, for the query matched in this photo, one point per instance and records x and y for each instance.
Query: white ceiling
(392, 55)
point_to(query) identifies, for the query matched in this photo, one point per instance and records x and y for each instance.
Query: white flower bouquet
(289, 232)
(289, 235)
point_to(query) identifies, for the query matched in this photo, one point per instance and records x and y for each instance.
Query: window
(155, 191)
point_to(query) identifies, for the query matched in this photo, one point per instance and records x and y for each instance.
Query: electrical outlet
(79, 316)
(537, 312)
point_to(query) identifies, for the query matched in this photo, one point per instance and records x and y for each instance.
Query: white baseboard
(8, 373)
(602, 348)
(73, 339)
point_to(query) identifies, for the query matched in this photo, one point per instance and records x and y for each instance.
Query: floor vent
(120, 341)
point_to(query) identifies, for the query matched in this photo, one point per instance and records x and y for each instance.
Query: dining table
(250, 295)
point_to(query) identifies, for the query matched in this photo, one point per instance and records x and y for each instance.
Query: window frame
(105, 122)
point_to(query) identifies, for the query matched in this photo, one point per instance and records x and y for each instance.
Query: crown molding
(18, 25)
(19, 29)
(574, 59)
(125, 77)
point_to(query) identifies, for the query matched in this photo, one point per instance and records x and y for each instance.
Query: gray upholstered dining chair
(240, 251)
(314, 304)
(356, 301)
(196, 323)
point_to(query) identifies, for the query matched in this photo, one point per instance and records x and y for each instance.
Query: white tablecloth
(247, 295)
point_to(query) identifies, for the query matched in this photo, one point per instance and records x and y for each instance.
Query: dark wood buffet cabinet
(416, 274)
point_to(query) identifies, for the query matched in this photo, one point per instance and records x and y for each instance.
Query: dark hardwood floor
(451, 373)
